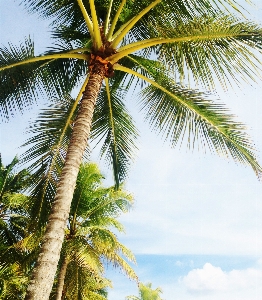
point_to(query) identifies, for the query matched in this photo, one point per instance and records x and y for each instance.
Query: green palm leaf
(11, 180)
(115, 127)
(146, 292)
(25, 77)
(82, 284)
(12, 282)
(48, 143)
(208, 46)
(174, 110)
(52, 9)
(18, 85)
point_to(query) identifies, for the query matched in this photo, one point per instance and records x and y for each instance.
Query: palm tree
(13, 206)
(89, 240)
(146, 293)
(13, 220)
(106, 46)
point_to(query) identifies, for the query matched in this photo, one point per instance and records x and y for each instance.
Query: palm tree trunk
(43, 275)
(61, 280)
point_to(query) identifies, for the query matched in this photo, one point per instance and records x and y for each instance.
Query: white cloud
(211, 279)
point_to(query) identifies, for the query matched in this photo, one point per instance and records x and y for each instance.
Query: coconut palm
(89, 241)
(146, 293)
(14, 218)
(105, 47)
(13, 205)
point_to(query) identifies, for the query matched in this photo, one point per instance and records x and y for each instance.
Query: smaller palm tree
(146, 293)
(11, 184)
(14, 218)
(90, 240)
(13, 204)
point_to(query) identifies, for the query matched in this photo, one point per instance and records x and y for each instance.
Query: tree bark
(61, 280)
(41, 283)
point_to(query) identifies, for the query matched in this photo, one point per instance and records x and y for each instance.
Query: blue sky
(196, 226)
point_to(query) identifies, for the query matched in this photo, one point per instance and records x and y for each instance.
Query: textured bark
(61, 280)
(43, 276)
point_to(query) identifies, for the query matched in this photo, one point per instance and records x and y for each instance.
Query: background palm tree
(107, 38)
(90, 242)
(13, 205)
(146, 293)
(14, 217)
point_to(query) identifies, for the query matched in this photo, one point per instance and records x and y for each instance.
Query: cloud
(211, 279)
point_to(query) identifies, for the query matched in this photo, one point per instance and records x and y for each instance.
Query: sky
(196, 226)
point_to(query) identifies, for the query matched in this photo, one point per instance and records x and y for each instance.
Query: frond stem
(77, 50)
(113, 25)
(118, 39)
(96, 29)
(253, 163)
(88, 21)
(136, 46)
(111, 117)
(108, 17)
(46, 57)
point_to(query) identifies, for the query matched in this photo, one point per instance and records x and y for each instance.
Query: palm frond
(118, 261)
(61, 11)
(12, 180)
(79, 250)
(113, 124)
(201, 118)
(12, 282)
(174, 110)
(206, 46)
(23, 83)
(18, 85)
(80, 282)
(94, 206)
(111, 249)
(74, 33)
(50, 135)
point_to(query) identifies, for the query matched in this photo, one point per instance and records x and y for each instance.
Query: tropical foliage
(146, 292)
(14, 218)
(104, 48)
(90, 242)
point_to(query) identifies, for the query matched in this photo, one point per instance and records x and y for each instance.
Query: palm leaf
(11, 180)
(173, 110)
(113, 124)
(67, 10)
(109, 247)
(80, 282)
(49, 140)
(80, 251)
(208, 46)
(12, 282)
(22, 83)
(18, 85)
